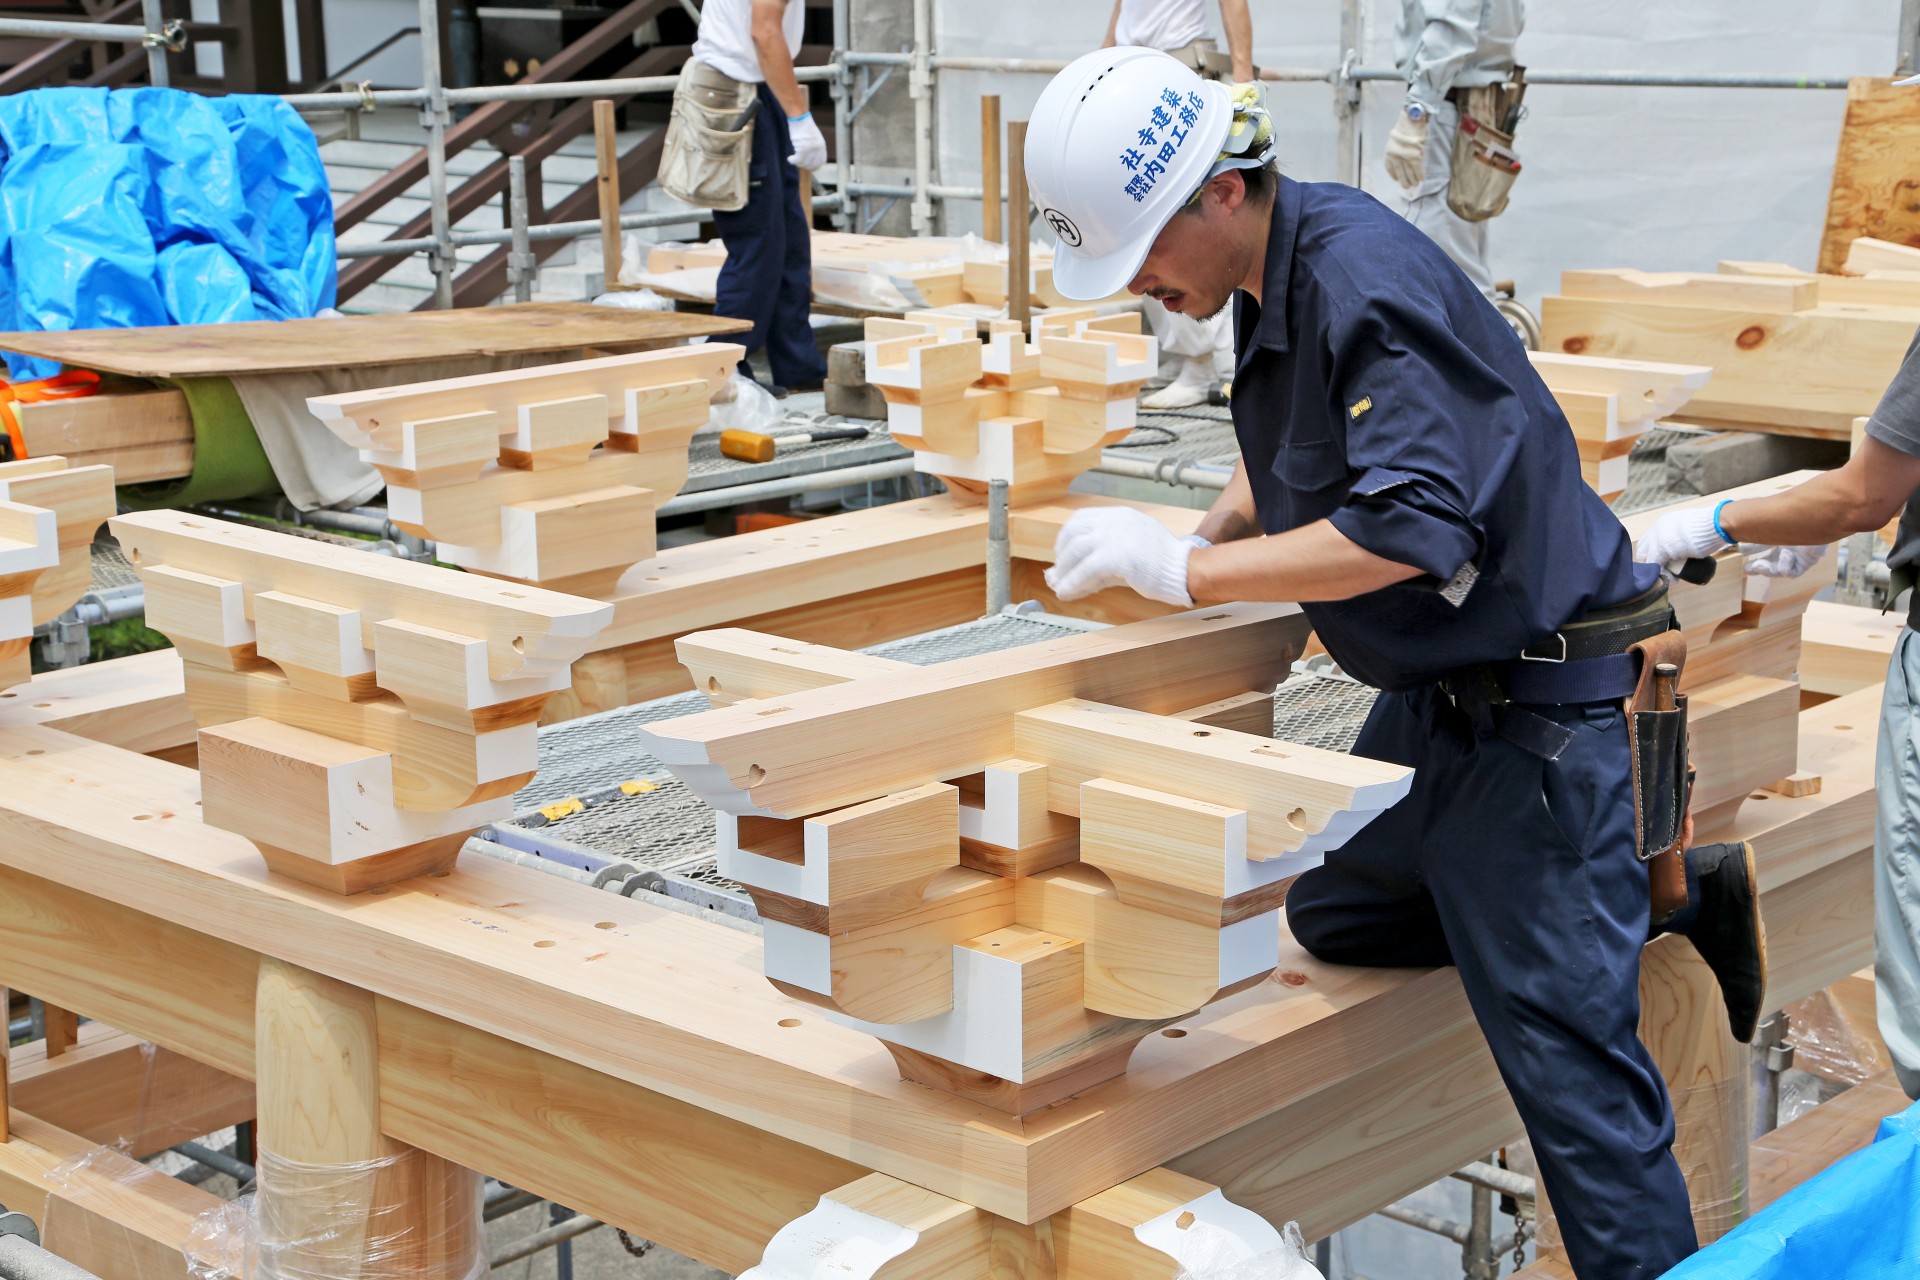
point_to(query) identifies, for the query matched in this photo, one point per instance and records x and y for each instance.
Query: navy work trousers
(768, 276)
(1521, 872)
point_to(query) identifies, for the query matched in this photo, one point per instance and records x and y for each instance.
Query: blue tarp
(155, 206)
(1860, 1220)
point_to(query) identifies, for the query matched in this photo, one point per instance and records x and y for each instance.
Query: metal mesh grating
(1321, 711)
(1647, 472)
(110, 567)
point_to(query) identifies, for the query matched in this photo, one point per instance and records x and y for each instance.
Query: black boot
(1722, 920)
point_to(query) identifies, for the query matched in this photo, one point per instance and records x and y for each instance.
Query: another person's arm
(1113, 25)
(1441, 49)
(1859, 497)
(776, 60)
(1238, 25)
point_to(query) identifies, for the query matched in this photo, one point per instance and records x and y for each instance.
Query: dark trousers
(768, 276)
(1521, 872)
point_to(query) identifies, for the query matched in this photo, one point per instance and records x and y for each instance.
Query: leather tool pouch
(1661, 789)
(709, 142)
(1485, 165)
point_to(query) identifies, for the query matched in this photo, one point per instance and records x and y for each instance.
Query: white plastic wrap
(1213, 1253)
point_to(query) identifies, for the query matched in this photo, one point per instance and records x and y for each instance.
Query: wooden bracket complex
(1034, 413)
(548, 476)
(359, 715)
(1011, 868)
(49, 513)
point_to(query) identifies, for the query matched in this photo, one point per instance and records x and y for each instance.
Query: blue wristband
(1718, 508)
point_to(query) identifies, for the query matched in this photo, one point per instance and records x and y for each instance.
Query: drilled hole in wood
(1297, 819)
(36, 752)
(789, 1022)
(1203, 733)
(1174, 1033)
(519, 644)
(1842, 727)
(546, 942)
(755, 775)
(134, 555)
(42, 706)
(1213, 617)
(142, 817)
(604, 924)
(1758, 795)
(9, 695)
(713, 684)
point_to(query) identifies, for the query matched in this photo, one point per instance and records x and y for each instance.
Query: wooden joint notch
(49, 514)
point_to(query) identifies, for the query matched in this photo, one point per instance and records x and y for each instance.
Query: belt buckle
(1561, 637)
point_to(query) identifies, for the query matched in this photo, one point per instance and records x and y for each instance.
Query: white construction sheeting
(1658, 178)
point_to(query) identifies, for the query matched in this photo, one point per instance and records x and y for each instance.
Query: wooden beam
(606, 149)
(893, 732)
(1845, 647)
(116, 1089)
(990, 210)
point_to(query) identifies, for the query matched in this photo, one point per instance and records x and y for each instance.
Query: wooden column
(1684, 1024)
(339, 1193)
(1019, 274)
(990, 212)
(62, 1028)
(6, 1004)
(606, 150)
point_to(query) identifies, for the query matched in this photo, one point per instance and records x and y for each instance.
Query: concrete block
(1729, 459)
(848, 391)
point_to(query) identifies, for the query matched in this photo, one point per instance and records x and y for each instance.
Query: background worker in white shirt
(1444, 47)
(1179, 27)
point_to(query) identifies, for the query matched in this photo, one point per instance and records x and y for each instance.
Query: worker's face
(1201, 256)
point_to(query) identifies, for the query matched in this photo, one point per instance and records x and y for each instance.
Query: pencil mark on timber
(482, 924)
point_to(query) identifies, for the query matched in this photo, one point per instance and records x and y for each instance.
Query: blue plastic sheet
(1860, 1220)
(155, 206)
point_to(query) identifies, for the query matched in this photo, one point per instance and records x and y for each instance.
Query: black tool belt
(1586, 660)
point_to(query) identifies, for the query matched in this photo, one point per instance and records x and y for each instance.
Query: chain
(639, 1250)
(1522, 1232)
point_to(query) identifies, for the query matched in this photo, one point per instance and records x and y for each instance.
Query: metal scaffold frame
(852, 84)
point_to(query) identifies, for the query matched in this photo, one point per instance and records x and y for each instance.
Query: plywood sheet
(284, 346)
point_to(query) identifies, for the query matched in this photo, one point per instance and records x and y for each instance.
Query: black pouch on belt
(1657, 734)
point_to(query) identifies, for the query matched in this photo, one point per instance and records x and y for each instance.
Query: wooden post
(1019, 216)
(6, 1005)
(1684, 1024)
(63, 1028)
(318, 1068)
(990, 212)
(606, 149)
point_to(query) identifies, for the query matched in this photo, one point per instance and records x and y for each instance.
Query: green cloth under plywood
(228, 462)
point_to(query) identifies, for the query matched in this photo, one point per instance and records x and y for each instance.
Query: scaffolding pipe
(435, 113)
(521, 264)
(839, 88)
(527, 1246)
(20, 1259)
(920, 89)
(999, 549)
(1494, 1178)
(544, 231)
(44, 29)
(788, 487)
(1195, 475)
(155, 40)
(218, 1161)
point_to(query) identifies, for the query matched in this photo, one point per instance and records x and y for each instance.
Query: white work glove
(1680, 536)
(1121, 547)
(1781, 562)
(809, 146)
(1407, 151)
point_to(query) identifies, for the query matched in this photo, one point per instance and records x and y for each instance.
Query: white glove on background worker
(1121, 547)
(1406, 156)
(809, 145)
(1695, 534)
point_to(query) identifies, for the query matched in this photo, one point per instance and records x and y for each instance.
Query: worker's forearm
(1113, 25)
(1239, 29)
(1313, 562)
(1232, 514)
(776, 64)
(1860, 496)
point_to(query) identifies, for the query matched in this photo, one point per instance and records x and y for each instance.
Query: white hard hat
(1120, 140)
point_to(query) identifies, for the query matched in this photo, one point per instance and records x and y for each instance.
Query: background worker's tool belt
(1661, 778)
(709, 138)
(1587, 660)
(1485, 165)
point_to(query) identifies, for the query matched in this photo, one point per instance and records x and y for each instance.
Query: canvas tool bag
(709, 139)
(1485, 165)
